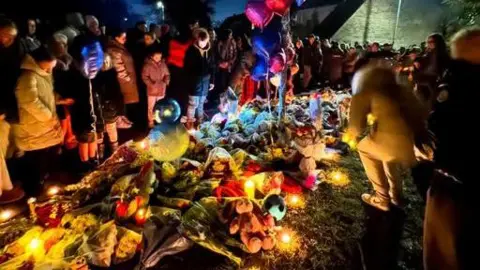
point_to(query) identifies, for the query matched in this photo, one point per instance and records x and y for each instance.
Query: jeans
(152, 100)
(195, 108)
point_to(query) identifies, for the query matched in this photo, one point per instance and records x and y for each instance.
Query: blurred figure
(110, 107)
(59, 48)
(227, 54)
(156, 77)
(38, 132)
(165, 39)
(297, 81)
(93, 25)
(312, 60)
(451, 215)
(155, 28)
(336, 67)
(30, 41)
(74, 22)
(198, 67)
(398, 125)
(349, 66)
(327, 59)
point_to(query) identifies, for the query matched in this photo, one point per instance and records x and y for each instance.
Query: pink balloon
(258, 13)
(278, 62)
(279, 6)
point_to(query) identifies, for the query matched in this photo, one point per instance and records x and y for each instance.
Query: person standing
(451, 215)
(38, 132)
(226, 57)
(30, 41)
(156, 77)
(127, 79)
(399, 124)
(312, 60)
(74, 22)
(198, 66)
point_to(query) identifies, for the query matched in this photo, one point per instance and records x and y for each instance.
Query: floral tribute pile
(228, 193)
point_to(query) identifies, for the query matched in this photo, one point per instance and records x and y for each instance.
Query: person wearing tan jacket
(38, 132)
(392, 117)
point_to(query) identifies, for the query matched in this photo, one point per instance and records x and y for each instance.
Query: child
(156, 77)
(199, 67)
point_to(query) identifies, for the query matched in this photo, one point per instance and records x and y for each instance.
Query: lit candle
(295, 201)
(249, 188)
(285, 237)
(34, 245)
(31, 206)
(141, 216)
(6, 215)
(371, 119)
(52, 191)
(339, 178)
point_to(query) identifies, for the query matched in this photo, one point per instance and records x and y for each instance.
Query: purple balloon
(258, 13)
(277, 62)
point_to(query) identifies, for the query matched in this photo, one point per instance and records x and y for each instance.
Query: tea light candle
(31, 206)
(53, 190)
(6, 215)
(249, 188)
(141, 216)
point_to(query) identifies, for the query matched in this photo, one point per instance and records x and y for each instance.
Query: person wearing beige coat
(391, 116)
(38, 131)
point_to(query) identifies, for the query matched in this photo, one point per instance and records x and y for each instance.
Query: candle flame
(5, 215)
(52, 191)
(34, 244)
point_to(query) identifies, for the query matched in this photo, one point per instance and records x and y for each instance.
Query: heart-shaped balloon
(258, 13)
(277, 62)
(280, 7)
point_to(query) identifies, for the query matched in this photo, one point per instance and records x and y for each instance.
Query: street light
(160, 5)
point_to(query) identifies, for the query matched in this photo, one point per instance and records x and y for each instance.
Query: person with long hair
(399, 123)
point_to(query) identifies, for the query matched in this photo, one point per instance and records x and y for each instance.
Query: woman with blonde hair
(395, 122)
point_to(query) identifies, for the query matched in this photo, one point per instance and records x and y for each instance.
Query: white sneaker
(376, 202)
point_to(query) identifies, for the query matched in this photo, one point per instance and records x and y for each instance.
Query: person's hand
(211, 87)
(2, 116)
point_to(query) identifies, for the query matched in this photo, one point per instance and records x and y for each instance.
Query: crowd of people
(77, 86)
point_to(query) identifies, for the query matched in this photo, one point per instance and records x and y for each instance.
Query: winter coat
(300, 58)
(110, 100)
(336, 68)
(31, 43)
(10, 61)
(455, 146)
(312, 55)
(198, 67)
(82, 112)
(125, 67)
(156, 77)
(39, 126)
(392, 138)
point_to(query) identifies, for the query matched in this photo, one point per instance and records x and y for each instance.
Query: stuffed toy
(310, 145)
(247, 219)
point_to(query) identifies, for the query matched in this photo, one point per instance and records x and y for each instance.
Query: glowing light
(34, 245)
(249, 188)
(52, 191)
(295, 201)
(157, 117)
(288, 240)
(167, 113)
(142, 145)
(141, 216)
(160, 5)
(5, 215)
(338, 178)
(371, 119)
(31, 206)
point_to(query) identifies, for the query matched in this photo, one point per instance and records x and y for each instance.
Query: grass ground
(331, 225)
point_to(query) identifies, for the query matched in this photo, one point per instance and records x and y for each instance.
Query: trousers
(195, 107)
(386, 177)
(307, 76)
(152, 100)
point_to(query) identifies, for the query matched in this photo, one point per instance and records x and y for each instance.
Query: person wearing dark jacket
(127, 79)
(109, 103)
(198, 66)
(11, 55)
(30, 41)
(312, 60)
(226, 54)
(451, 215)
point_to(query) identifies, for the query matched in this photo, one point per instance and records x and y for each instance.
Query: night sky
(226, 8)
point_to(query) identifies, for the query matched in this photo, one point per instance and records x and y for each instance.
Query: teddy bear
(247, 219)
(308, 142)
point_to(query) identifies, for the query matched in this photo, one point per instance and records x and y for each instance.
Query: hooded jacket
(156, 77)
(38, 127)
(125, 67)
(199, 66)
(392, 137)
